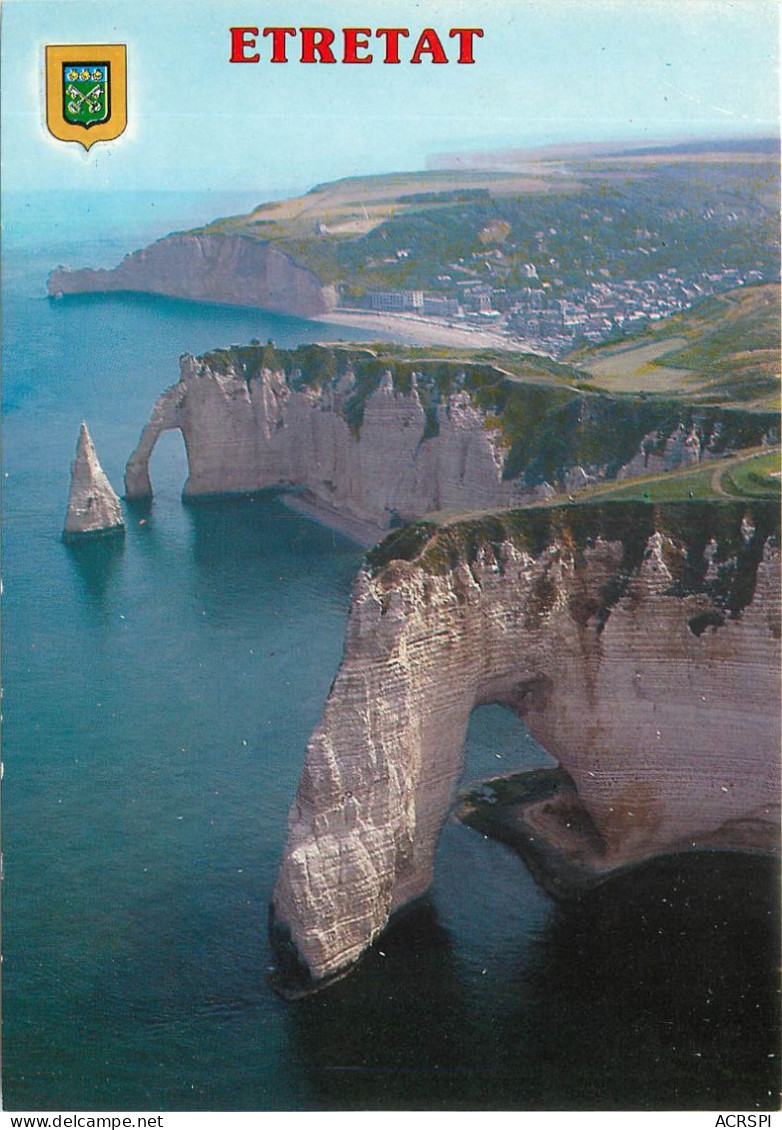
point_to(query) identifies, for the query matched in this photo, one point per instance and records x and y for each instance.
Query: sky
(546, 71)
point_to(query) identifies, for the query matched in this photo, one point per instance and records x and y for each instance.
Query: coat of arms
(86, 87)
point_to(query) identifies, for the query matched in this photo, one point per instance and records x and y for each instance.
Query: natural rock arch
(245, 434)
(499, 743)
(138, 484)
(629, 699)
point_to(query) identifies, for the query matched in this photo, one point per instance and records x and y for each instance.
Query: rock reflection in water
(395, 1033)
(657, 990)
(96, 561)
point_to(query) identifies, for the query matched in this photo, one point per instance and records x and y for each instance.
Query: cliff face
(244, 435)
(208, 268)
(380, 437)
(646, 663)
(93, 506)
(682, 448)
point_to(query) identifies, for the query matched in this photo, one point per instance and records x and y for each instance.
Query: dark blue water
(159, 693)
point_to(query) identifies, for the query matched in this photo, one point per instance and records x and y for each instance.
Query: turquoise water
(159, 692)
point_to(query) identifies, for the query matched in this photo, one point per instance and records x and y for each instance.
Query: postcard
(391, 482)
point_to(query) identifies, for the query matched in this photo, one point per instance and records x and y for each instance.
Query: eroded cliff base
(539, 815)
(640, 643)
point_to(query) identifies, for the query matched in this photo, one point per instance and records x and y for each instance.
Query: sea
(159, 693)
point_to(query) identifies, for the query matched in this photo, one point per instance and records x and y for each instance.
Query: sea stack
(93, 506)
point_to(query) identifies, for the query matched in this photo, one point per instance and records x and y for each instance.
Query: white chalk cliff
(646, 664)
(372, 440)
(641, 644)
(657, 453)
(208, 267)
(243, 435)
(93, 506)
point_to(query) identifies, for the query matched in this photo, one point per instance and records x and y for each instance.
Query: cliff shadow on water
(656, 991)
(655, 988)
(96, 562)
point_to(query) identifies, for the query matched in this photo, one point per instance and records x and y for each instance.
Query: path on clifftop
(693, 482)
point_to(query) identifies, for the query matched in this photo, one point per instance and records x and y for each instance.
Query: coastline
(538, 814)
(424, 331)
(365, 533)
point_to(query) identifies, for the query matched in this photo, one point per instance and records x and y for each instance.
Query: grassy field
(722, 350)
(631, 368)
(740, 476)
(758, 477)
(356, 205)
(675, 486)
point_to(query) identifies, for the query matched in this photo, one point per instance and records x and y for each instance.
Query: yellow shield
(86, 91)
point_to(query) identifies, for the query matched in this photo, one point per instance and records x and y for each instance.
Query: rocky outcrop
(377, 436)
(246, 434)
(93, 507)
(576, 478)
(208, 267)
(640, 644)
(658, 453)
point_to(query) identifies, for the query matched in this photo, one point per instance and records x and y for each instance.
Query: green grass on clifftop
(724, 350)
(748, 475)
(576, 216)
(758, 477)
(691, 525)
(544, 422)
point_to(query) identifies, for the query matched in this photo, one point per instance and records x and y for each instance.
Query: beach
(365, 534)
(424, 331)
